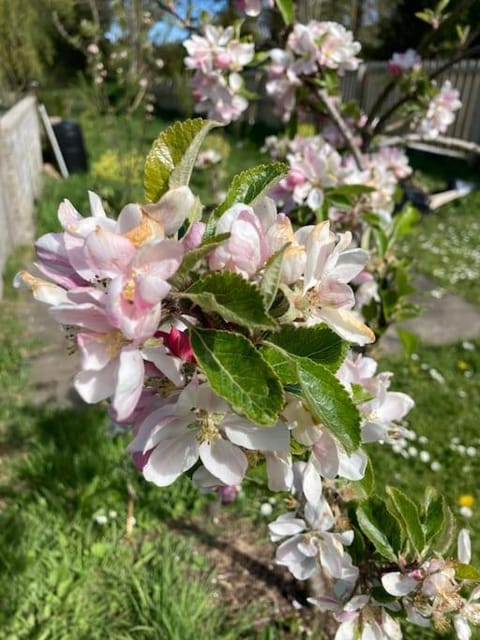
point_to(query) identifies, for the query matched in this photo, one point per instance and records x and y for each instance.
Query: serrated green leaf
(232, 297)
(170, 161)
(192, 258)
(271, 276)
(379, 527)
(466, 572)
(360, 394)
(329, 402)
(407, 510)
(287, 10)
(250, 185)
(237, 372)
(318, 343)
(446, 537)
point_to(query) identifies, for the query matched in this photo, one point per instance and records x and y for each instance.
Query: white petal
(129, 382)
(398, 584)
(279, 470)
(352, 467)
(284, 526)
(93, 386)
(224, 460)
(42, 290)
(464, 547)
(166, 363)
(171, 458)
(347, 325)
(462, 628)
(246, 434)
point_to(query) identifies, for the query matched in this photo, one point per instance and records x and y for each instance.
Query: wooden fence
(366, 84)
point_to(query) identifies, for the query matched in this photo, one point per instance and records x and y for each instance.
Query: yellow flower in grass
(466, 500)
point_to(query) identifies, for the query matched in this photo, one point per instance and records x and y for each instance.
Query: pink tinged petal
(95, 349)
(160, 259)
(279, 470)
(88, 316)
(398, 584)
(94, 386)
(136, 324)
(156, 426)
(193, 238)
(395, 406)
(150, 290)
(129, 383)
(462, 628)
(42, 290)
(391, 627)
(166, 363)
(336, 295)
(224, 460)
(129, 218)
(312, 484)
(67, 214)
(108, 254)
(325, 452)
(464, 547)
(347, 325)
(245, 434)
(54, 261)
(349, 264)
(318, 245)
(172, 209)
(96, 205)
(172, 457)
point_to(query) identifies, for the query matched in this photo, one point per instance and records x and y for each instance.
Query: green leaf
(192, 258)
(409, 341)
(444, 540)
(232, 297)
(287, 10)
(271, 276)
(405, 221)
(318, 343)
(170, 161)
(407, 511)
(345, 196)
(380, 595)
(434, 516)
(284, 366)
(466, 572)
(379, 527)
(250, 185)
(329, 402)
(237, 372)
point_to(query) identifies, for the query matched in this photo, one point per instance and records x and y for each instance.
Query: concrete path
(446, 318)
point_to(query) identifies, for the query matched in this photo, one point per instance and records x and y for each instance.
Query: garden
(248, 406)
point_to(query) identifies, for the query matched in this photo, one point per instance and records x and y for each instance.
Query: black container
(70, 140)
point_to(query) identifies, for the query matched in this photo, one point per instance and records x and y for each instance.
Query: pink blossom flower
(406, 61)
(441, 111)
(201, 425)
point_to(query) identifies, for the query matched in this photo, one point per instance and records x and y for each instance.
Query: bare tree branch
(440, 141)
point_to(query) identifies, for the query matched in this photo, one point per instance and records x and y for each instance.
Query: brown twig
(130, 521)
(338, 119)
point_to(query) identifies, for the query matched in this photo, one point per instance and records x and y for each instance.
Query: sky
(168, 31)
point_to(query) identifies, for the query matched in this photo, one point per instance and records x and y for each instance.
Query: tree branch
(343, 126)
(186, 24)
(440, 141)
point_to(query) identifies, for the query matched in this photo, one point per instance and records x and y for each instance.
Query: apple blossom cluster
(316, 166)
(310, 49)
(224, 343)
(401, 63)
(217, 58)
(441, 111)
